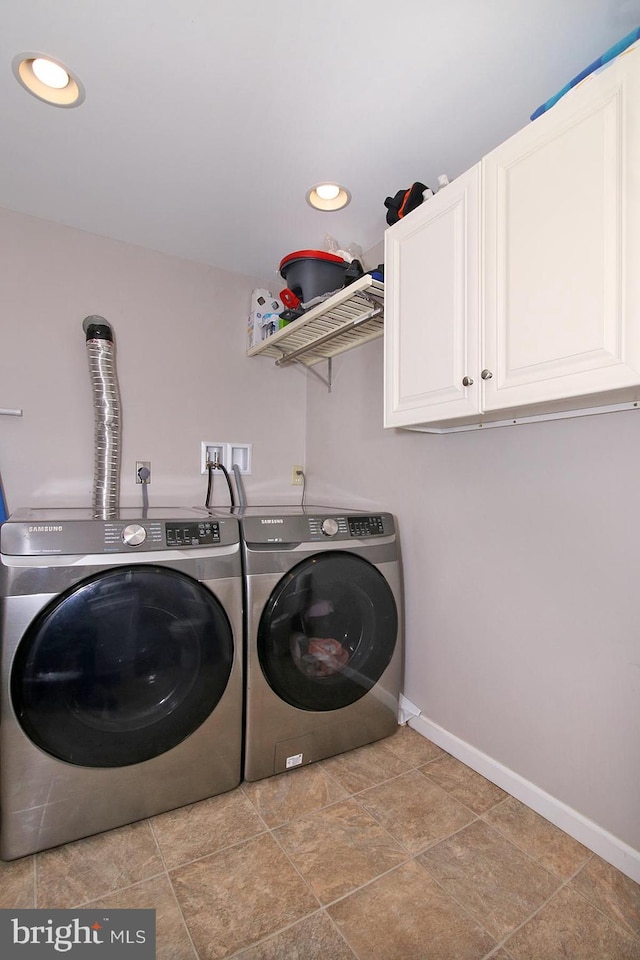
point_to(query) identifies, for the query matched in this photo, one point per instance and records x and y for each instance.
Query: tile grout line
(218, 850)
(172, 889)
(629, 932)
(507, 937)
(463, 907)
(499, 943)
(34, 880)
(321, 908)
(419, 768)
(367, 883)
(532, 856)
(270, 936)
(290, 926)
(409, 856)
(113, 893)
(495, 951)
(350, 796)
(302, 877)
(564, 885)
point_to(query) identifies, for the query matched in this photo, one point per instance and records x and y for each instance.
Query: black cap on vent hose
(97, 328)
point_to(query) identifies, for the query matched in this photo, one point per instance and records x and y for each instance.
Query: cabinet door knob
(486, 374)
(467, 382)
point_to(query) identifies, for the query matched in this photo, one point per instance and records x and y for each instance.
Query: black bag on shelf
(404, 202)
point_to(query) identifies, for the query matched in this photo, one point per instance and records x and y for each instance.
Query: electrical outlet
(143, 465)
(297, 475)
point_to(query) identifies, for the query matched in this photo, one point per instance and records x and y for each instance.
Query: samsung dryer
(324, 640)
(121, 653)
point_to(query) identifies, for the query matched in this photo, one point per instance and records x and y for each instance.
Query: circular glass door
(122, 667)
(327, 632)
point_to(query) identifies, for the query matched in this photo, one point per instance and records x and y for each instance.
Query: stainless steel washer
(122, 682)
(323, 632)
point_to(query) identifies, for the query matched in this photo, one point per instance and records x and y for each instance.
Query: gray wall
(184, 376)
(520, 548)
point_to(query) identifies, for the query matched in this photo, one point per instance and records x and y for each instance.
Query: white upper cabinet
(525, 280)
(432, 307)
(560, 198)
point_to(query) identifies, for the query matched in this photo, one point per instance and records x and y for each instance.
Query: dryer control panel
(366, 526)
(284, 526)
(358, 526)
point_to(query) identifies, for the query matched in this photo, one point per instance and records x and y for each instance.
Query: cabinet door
(561, 248)
(432, 308)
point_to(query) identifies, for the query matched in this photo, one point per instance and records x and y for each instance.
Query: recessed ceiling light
(50, 73)
(48, 79)
(327, 191)
(328, 196)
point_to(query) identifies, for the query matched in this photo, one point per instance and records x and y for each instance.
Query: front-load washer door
(122, 667)
(327, 632)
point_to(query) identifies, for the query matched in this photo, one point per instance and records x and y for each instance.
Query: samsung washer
(121, 662)
(324, 646)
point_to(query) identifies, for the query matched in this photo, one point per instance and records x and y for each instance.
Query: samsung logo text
(43, 528)
(279, 520)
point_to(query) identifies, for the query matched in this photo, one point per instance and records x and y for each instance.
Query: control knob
(329, 527)
(134, 534)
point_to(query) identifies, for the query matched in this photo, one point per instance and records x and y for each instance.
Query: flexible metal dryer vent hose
(106, 409)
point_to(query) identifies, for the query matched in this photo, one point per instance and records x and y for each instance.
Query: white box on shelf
(264, 317)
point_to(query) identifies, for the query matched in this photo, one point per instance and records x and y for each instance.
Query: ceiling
(206, 121)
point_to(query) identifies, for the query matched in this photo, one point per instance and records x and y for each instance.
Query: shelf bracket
(326, 380)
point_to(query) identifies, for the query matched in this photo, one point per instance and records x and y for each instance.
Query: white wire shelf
(350, 317)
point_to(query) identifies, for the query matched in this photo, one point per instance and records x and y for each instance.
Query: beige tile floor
(395, 851)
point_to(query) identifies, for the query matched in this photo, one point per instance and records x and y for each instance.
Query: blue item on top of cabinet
(606, 57)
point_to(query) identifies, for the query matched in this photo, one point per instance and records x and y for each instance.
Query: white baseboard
(592, 836)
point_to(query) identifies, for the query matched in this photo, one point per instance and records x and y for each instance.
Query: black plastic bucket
(312, 273)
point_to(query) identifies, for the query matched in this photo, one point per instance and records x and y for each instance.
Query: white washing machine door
(122, 666)
(327, 632)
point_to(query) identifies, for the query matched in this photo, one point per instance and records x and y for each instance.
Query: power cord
(144, 473)
(304, 485)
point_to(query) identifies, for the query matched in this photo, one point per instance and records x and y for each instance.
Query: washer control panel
(200, 533)
(366, 526)
(170, 533)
